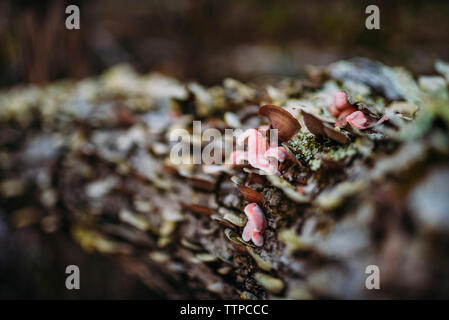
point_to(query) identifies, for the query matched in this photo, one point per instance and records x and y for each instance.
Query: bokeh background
(207, 40)
(190, 40)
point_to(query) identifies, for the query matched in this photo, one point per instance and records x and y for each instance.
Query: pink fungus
(239, 156)
(257, 239)
(267, 166)
(264, 129)
(256, 224)
(257, 147)
(248, 231)
(278, 153)
(341, 119)
(341, 101)
(256, 141)
(346, 113)
(341, 108)
(358, 120)
(256, 216)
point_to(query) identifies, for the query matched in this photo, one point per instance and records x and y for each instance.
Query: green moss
(340, 153)
(306, 145)
(310, 149)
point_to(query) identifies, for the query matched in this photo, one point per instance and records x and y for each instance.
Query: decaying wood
(92, 158)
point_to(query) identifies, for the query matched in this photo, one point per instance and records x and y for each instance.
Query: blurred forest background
(188, 39)
(209, 40)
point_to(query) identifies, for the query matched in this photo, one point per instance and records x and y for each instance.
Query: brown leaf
(197, 208)
(236, 241)
(202, 184)
(334, 134)
(331, 164)
(281, 120)
(249, 194)
(312, 123)
(320, 128)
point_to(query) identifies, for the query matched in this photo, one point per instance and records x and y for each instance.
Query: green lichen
(342, 152)
(310, 149)
(306, 145)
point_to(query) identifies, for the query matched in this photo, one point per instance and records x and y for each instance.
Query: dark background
(208, 40)
(188, 39)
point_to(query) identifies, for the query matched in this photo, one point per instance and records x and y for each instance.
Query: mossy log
(92, 158)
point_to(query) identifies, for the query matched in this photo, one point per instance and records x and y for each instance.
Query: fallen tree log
(92, 158)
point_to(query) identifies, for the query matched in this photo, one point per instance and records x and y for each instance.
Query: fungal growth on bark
(256, 224)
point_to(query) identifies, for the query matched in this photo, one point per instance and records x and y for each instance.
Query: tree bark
(92, 159)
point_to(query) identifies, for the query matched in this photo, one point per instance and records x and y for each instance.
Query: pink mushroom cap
(255, 216)
(340, 104)
(341, 101)
(254, 138)
(358, 120)
(257, 147)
